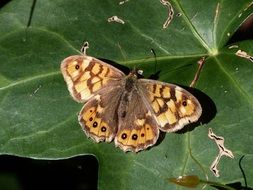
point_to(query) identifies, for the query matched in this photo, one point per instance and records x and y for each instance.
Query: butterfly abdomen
(129, 85)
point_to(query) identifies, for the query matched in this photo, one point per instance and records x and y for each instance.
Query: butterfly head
(136, 73)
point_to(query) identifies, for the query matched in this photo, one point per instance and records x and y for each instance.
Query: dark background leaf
(39, 119)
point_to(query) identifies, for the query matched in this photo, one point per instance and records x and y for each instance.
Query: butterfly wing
(98, 116)
(137, 127)
(86, 75)
(172, 106)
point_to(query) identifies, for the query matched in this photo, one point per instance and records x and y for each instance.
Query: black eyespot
(103, 129)
(77, 67)
(142, 135)
(134, 137)
(90, 111)
(124, 136)
(90, 118)
(95, 124)
(184, 103)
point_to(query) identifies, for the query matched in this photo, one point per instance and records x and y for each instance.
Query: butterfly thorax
(130, 81)
(128, 92)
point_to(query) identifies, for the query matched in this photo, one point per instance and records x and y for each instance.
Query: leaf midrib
(234, 83)
(192, 28)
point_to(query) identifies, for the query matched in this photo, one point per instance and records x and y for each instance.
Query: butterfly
(126, 108)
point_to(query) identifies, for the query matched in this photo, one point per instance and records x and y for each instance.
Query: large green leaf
(39, 118)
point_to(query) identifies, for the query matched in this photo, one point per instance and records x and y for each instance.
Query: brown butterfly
(123, 107)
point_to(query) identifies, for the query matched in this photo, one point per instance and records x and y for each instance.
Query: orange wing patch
(86, 75)
(142, 134)
(173, 106)
(92, 122)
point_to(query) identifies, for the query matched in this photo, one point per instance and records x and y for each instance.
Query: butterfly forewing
(85, 76)
(172, 106)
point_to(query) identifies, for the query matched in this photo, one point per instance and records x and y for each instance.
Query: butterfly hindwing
(86, 75)
(137, 127)
(172, 106)
(98, 118)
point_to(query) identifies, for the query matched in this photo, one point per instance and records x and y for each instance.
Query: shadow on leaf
(123, 68)
(208, 109)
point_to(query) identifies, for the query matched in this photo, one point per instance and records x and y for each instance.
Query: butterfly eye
(77, 67)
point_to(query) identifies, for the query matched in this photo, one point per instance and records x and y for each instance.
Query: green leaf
(39, 118)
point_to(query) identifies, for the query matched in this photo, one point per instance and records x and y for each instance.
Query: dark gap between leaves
(78, 173)
(3, 3)
(245, 32)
